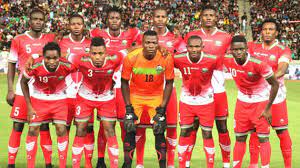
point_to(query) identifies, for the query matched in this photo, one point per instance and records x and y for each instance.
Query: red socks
(171, 146)
(254, 150)
(224, 141)
(101, 142)
(113, 151)
(265, 154)
(193, 137)
(13, 146)
(140, 139)
(209, 148)
(286, 148)
(77, 149)
(89, 149)
(183, 150)
(46, 145)
(62, 143)
(31, 149)
(238, 154)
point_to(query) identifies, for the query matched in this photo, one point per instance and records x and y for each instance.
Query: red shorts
(55, 111)
(106, 110)
(279, 116)
(120, 105)
(19, 110)
(72, 103)
(171, 113)
(246, 118)
(205, 114)
(221, 106)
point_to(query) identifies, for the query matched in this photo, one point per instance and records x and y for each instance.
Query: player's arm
(283, 63)
(10, 97)
(125, 91)
(25, 90)
(167, 92)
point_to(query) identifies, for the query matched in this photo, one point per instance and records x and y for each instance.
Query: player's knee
(196, 125)
(68, 127)
(18, 126)
(160, 145)
(206, 134)
(221, 126)
(109, 131)
(241, 138)
(185, 132)
(263, 139)
(33, 130)
(280, 131)
(61, 130)
(81, 129)
(90, 129)
(44, 127)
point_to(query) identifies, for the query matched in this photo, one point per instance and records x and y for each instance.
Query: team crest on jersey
(124, 42)
(159, 69)
(218, 43)
(110, 71)
(204, 70)
(61, 77)
(87, 49)
(272, 57)
(169, 44)
(250, 74)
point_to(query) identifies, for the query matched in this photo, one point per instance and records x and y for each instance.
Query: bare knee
(33, 130)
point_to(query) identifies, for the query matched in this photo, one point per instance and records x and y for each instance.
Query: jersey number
(28, 49)
(187, 71)
(233, 72)
(149, 78)
(78, 109)
(90, 73)
(44, 79)
(17, 111)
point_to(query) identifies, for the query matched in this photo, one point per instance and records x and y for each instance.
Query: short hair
(194, 37)
(150, 33)
(271, 20)
(208, 7)
(36, 10)
(76, 15)
(97, 41)
(160, 7)
(114, 9)
(51, 46)
(238, 38)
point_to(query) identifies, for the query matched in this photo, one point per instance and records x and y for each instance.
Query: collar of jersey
(76, 41)
(107, 31)
(213, 33)
(201, 57)
(43, 62)
(245, 63)
(273, 45)
(27, 34)
(166, 31)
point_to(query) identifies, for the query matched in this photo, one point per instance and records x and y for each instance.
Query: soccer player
(147, 70)
(215, 42)
(25, 46)
(166, 40)
(96, 92)
(254, 100)
(278, 57)
(73, 46)
(196, 97)
(116, 40)
(47, 101)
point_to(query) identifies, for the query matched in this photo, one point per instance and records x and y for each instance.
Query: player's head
(51, 52)
(160, 17)
(239, 48)
(98, 51)
(150, 44)
(76, 24)
(269, 30)
(37, 20)
(208, 16)
(194, 47)
(114, 18)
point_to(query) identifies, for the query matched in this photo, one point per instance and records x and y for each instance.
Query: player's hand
(164, 51)
(31, 114)
(129, 119)
(267, 115)
(160, 122)
(10, 97)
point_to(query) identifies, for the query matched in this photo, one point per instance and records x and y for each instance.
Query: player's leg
(89, 144)
(31, 144)
(62, 142)
(254, 150)
(140, 146)
(209, 147)
(161, 149)
(112, 143)
(78, 144)
(221, 110)
(183, 144)
(192, 137)
(101, 147)
(286, 146)
(46, 143)
(239, 150)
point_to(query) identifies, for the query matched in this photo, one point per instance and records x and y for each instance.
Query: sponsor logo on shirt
(110, 71)
(124, 42)
(169, 44)
(87, 49)
(61, 77)
(159, 69)
(272, 57)
(218, 43)
(250, 74)
(204, 70)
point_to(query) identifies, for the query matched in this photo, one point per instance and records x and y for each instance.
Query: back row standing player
(278, 57)
(216, 42)
(24, 46)
(116, 40)
(169, 41)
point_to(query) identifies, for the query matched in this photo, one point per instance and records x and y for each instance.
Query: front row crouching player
(47, 103)
(196, 99)
(252, 111)
(96, 92)
(147, 70)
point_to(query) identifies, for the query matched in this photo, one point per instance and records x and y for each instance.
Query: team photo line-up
(128, 76)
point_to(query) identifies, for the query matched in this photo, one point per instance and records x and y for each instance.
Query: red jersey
(97, 82)
(23, 47)
(216, 43)
(196, 78)
(250, 78)
(273, 56)
(49, 85)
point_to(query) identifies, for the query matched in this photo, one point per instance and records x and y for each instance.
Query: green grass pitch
(198, 159)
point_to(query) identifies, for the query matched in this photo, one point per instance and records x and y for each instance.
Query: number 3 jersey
(250, 78)
(196, 77)
(49, 85)
(97, 82)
